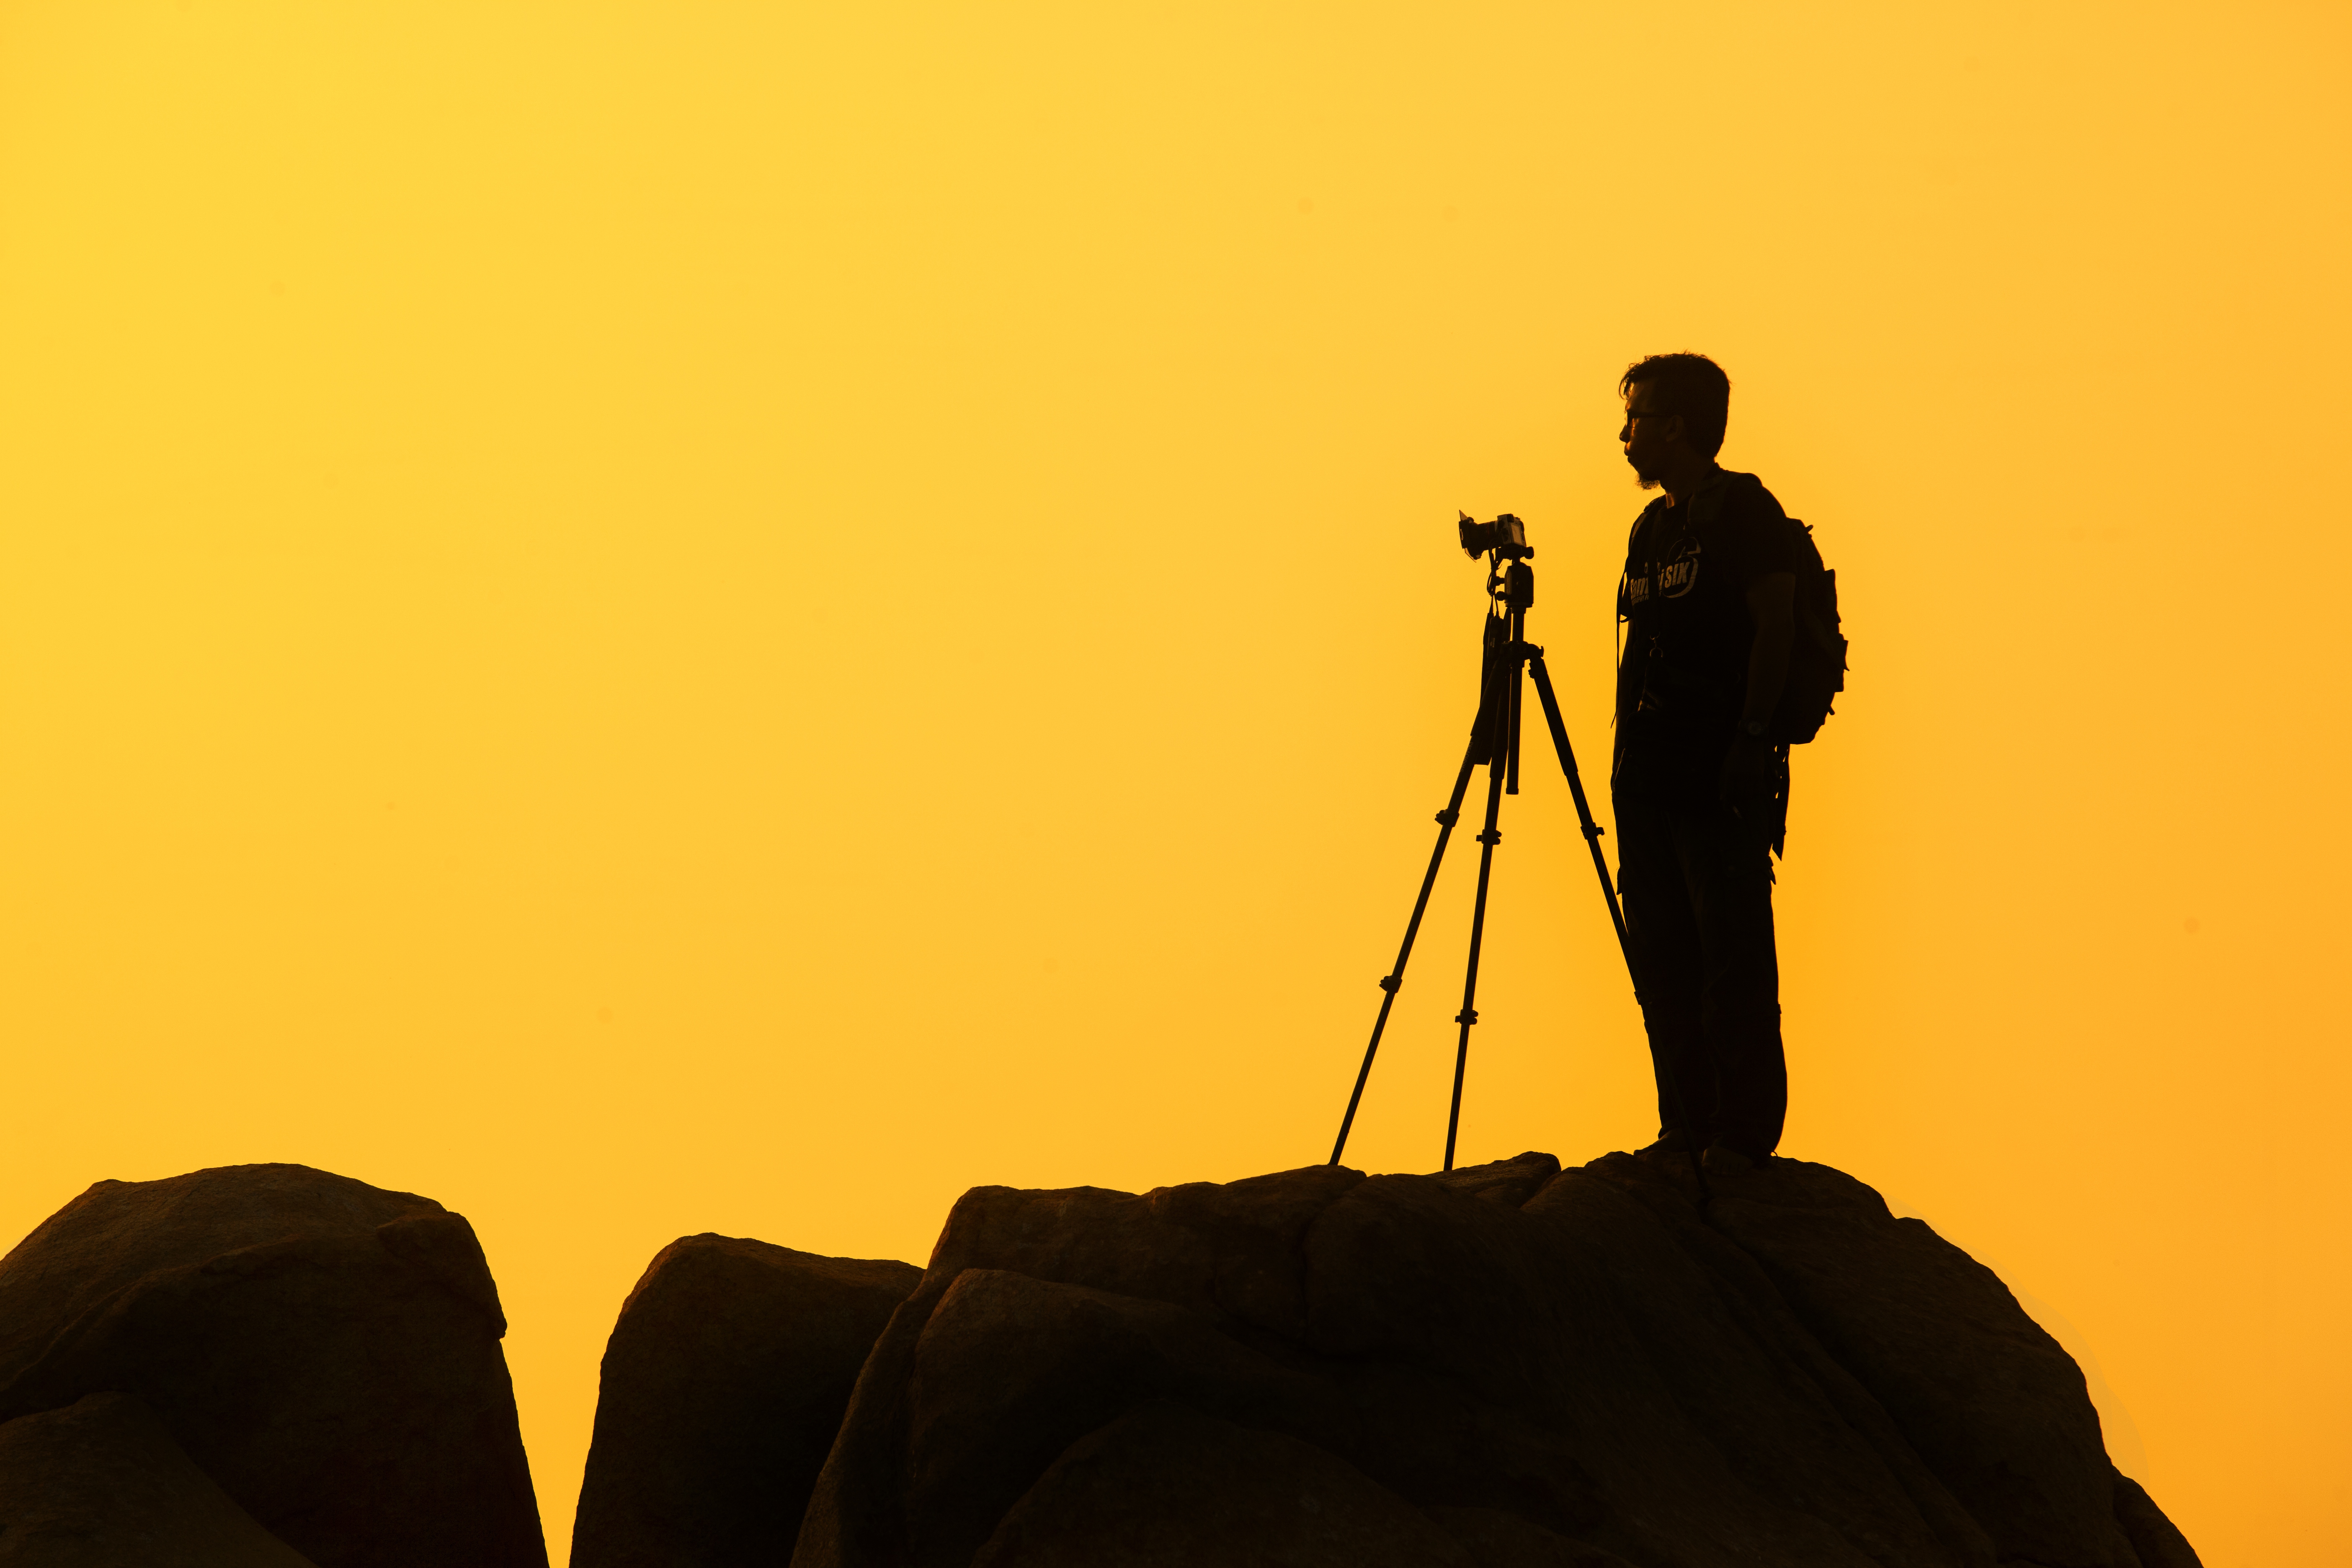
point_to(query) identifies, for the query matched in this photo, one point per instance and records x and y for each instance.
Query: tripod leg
(1498, 770)
(1511, 730)
(1592, 831)
(1591, 828)
(1393, 980)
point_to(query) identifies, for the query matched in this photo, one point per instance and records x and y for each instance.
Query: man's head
(1677, 407)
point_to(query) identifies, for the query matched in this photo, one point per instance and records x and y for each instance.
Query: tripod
(1495, 745)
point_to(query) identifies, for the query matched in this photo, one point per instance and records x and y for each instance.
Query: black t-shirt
(1688, 632)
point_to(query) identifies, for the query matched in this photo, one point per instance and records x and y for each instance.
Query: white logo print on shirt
(1673, 577)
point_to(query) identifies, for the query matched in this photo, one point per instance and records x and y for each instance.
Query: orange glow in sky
(648, 619)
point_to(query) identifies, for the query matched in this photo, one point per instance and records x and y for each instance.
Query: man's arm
(1772, 602)
(1750, 769)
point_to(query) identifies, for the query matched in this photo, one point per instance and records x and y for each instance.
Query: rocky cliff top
(1508, 1364)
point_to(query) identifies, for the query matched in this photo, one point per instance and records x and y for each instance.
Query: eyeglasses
(1634, 414)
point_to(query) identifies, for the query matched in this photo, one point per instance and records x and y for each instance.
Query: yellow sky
(651, 618)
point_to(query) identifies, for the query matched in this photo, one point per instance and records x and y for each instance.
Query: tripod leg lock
(1492, 835)
(1392, 983)
(1467, 1015)
(1448, 818)
(1593, 830)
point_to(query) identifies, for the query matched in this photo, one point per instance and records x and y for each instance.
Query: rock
(1230, 1250)
(723, 1385)
(2154, 1537)
(1166, 1486)
(1988, 1400)
(1508, 1181)
(101, 1484)
(1665, 1392)
(1505, 1365)
(977, 1441)
(1497, 1539)
(325, 1351)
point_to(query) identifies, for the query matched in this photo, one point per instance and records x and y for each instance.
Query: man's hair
(1691, 386)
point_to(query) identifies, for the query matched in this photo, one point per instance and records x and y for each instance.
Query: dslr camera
(1506, 534)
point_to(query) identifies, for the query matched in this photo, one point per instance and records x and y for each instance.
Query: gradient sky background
(648, 619)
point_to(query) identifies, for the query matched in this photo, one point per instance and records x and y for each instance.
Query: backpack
(1817, 661)
(1817, 664)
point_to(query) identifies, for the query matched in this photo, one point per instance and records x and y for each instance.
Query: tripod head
(1512, 586)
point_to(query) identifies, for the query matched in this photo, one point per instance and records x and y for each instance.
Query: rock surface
(1512, 1365)
(723, 1385)
(1166, 1486)
(326, 1351)
(1986, 1398)
(101, 1484)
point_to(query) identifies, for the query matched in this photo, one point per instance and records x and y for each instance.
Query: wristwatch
(1751, 729)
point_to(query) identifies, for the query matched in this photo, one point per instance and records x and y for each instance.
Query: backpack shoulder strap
(1641, 520)
(1708, 504)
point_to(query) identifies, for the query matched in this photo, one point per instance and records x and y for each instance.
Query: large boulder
(101, 1484)
(1511, 1365)
(1986, 1398)
(325, 1351)
(723, 1385)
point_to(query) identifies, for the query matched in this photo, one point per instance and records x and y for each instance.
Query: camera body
(1506, 535)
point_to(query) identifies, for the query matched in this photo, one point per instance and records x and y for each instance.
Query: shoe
(1723, 1160)
(1669, 1146)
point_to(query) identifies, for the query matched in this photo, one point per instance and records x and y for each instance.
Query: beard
(1644, 478)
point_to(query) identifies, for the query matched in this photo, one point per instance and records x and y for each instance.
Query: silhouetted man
(1699, 785)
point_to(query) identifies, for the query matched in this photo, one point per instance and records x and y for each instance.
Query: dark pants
(1697, 888)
